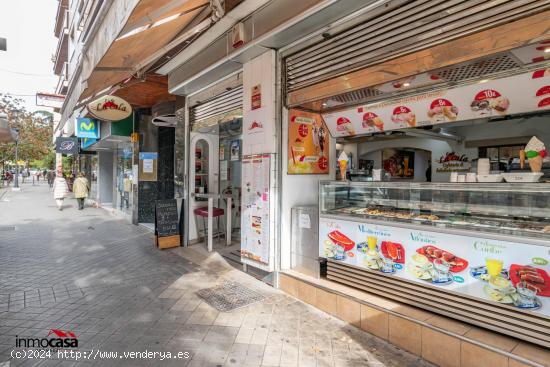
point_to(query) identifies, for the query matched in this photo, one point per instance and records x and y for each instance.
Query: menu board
(308, 146)
(510, 273)
(522, 93)
(255, 220)
(166, 218)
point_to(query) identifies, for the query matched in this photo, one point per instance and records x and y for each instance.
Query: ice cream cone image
(535, 163)
(535, 152)
(343, 163)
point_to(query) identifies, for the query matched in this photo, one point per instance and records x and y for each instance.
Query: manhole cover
(229, 296)
(7, 228)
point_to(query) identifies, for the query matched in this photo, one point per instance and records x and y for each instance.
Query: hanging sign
(110, 108)
(498, 97)
(66, 145)
(308, 148)
(87, 142)
(87, 128)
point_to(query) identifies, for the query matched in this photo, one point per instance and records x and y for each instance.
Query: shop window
(501, 157)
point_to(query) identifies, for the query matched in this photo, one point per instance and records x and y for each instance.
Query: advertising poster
(398, 163)
(509, 273)
(308, 146)
(487, 98)
(148, 163)
(235, 150)
(255, 231)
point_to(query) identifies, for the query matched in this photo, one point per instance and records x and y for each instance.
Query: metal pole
(16, 183)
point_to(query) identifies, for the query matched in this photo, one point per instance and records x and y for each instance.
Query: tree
(35, 131)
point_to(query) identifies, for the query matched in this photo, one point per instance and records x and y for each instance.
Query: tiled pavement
(103, 279)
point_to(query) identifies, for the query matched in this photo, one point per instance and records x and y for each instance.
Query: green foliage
(35, 131)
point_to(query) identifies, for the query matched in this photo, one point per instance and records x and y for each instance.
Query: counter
(484, 242)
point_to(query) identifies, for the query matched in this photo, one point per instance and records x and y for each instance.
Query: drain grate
(7, 228)
(229, 296)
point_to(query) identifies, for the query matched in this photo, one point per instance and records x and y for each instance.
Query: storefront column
(105, 177)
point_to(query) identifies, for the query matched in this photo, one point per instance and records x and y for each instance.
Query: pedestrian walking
(81, 189)
(60, 189)
(51, 177)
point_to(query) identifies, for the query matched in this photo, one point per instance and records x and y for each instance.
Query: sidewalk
(102, 278)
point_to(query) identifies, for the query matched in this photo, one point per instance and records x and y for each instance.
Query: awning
(152, 25)
(6, 134)
(144, 92)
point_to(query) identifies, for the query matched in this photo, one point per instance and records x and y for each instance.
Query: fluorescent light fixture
(483, 81)
(165, 20)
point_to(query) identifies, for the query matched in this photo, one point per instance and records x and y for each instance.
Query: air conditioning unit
(164, 114)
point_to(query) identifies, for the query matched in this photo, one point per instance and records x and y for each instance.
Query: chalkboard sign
(166, 218)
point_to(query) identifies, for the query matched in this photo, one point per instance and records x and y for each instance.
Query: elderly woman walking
(60, 189)
(80, 189)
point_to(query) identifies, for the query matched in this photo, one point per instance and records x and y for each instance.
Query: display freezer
(476, 252)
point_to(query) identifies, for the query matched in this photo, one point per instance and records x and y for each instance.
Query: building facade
(251, 113)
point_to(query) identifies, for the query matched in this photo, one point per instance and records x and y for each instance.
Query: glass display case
(504, 209)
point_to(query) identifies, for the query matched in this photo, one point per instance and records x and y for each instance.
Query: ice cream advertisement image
(502, 272)
(308, 147)
(485, 98)
(489, 102)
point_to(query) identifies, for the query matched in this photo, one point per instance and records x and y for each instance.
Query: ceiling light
(406, 84)
(547, 50)
(165, 20)
(483, 81)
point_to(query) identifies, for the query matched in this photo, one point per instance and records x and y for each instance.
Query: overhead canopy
(150, 27)
(145, 92)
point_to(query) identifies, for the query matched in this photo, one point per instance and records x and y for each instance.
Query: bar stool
(203, 212)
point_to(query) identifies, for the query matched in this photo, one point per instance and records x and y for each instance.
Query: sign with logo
(66, 145)
(452, 162)
(110, 108)
(87, 128)
(308, 148)
(87, 142)
(497, 97)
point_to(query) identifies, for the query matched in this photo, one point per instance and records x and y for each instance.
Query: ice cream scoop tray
(522, 176)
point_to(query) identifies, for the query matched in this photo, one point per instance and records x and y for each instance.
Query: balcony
(61, 18)
(63, 82)
(61, 53)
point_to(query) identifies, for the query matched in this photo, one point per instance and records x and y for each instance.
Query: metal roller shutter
(415, 25)
(223, 107)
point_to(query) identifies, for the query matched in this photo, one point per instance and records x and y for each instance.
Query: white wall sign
(527, 92)
(110, 108)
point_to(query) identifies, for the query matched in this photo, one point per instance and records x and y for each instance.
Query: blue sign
(87, 128)
(87, 142)
(148, 155)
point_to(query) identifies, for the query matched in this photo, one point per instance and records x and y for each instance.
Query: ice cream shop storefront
(434, 215)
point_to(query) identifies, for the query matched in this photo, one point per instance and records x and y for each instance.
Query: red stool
(203, 212)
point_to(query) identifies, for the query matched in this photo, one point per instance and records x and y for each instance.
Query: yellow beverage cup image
(371, 243)
(494, 267)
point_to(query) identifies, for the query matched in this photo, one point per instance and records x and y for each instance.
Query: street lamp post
(16, 182)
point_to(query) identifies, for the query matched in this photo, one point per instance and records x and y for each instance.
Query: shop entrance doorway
(215, 172)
